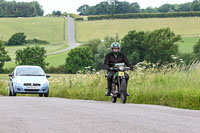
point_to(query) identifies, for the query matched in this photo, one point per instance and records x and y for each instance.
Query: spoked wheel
(123, 91)
(114, 99)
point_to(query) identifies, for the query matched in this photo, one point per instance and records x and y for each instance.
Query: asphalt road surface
(57, 115)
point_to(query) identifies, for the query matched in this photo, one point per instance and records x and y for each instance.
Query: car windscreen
(30, 71)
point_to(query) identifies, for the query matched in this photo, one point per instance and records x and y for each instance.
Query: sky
(70, 6)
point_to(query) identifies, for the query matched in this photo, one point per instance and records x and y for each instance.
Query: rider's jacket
(111, 59)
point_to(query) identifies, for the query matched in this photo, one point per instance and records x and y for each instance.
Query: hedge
(146, 15)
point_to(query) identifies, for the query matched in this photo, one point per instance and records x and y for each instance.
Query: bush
(17, 39)
(36, 41)
(31, 56)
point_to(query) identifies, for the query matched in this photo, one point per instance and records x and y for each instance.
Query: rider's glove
(110, 68)
(131, 68)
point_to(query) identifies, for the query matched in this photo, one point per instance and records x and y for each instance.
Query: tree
(17, 39)
(185, 7)
(156, 47)
(161, 45)
(133, 46)
(83, 9)
(167, 8)
(56, 13)
(78, 59)
(195, 5)
(3, 56)
(31, 56)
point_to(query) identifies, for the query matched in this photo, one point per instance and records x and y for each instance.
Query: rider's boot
(127, 94)
(108, 92)
(109, 86)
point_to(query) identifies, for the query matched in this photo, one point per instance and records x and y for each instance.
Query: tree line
(117, 7)
(20, 9)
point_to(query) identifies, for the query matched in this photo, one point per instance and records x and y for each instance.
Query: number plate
(32, 87)
(120, 73)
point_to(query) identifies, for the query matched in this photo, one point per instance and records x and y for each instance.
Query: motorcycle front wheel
(123, 92)
(114, 99)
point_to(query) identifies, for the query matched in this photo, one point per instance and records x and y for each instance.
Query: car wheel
(40, 95)
(14, 94)
(46, 94)
(9, 92)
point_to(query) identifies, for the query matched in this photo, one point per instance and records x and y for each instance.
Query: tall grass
(173, 87)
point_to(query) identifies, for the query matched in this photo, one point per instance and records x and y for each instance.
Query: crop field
(169, 87)
(188, 28)
(50, 29)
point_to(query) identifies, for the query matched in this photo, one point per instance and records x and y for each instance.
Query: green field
(88, 30)
(188, 28)
(50, 29)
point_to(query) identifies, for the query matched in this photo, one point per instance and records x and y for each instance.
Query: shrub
(17, 39)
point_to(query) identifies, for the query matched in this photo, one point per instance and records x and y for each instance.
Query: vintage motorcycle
(119, 86)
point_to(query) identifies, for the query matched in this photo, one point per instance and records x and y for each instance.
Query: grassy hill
(50, 29)
(188, 28)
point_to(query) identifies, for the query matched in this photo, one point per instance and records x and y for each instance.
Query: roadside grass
(50, 29)
(168, 87)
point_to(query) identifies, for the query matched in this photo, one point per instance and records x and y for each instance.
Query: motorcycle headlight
(121, 68)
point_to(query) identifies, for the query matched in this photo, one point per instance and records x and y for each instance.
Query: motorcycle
(119, 85)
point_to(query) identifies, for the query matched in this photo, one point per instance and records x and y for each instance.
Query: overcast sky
(70, 6)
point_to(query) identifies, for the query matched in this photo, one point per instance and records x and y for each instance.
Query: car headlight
(45, 82)
(18, 81)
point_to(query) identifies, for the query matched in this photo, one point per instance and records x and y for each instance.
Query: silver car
(28, 80)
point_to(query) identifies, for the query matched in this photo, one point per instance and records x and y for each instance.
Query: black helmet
(115, 45)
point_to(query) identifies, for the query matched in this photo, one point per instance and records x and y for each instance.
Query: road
(71, 37)
(57, 115)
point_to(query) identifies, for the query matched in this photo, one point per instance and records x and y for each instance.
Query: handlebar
(118, 69)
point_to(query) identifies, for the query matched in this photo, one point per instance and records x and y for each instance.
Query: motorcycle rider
(115, 56)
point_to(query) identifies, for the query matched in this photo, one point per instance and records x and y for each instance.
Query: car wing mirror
(48, 76)
(10, 75)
